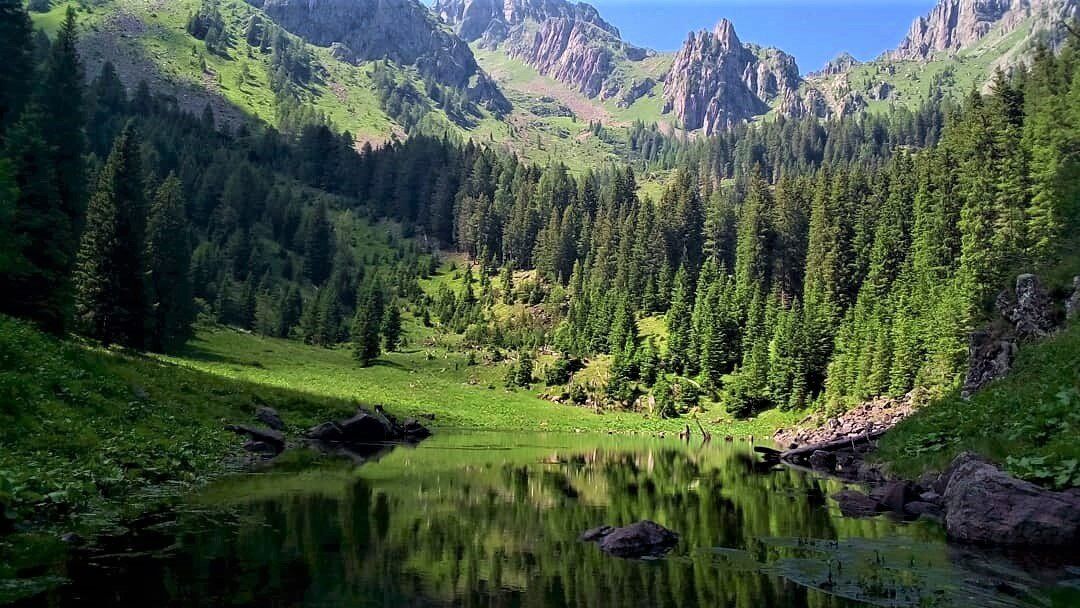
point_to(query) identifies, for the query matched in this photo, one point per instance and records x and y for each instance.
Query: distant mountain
(403, 31)
(955, 25)
(717, 82)
(567, 41)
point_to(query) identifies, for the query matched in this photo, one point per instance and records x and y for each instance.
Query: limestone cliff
(567, 41)
(954, 25)
(717, 82)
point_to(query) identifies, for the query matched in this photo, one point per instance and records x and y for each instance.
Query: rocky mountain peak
(841, 64)
(567, 41)
(403, 31)
(716, 81)
(953, 25)
(725, 36)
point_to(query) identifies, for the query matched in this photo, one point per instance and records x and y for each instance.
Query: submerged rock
(642, 539)
(856, 504)
(985, 505)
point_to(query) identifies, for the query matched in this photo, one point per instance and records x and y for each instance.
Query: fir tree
(110, 282)
(168, 260)
(367, 324)
(391, 328)
(17, 69)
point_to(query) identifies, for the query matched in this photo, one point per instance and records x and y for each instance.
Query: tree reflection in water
(492, 520)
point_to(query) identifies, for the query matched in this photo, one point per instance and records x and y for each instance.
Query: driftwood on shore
(799, 454)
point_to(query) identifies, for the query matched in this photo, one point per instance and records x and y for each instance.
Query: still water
(484, 519)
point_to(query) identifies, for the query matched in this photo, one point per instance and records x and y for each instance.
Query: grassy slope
(1029, 420)
(83, 429)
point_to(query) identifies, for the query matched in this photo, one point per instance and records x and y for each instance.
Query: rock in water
(985, 505)
(269, 417)
(327, 431)
(366, 428)
(643, 539)
(856, 504)
(595, 534)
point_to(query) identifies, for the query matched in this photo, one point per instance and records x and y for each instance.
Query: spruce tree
(680, 325)
(318, 246)
(391, 328)
(367, 324)
(40, 288)
(110, 281)
(168, 260)
(17, 68)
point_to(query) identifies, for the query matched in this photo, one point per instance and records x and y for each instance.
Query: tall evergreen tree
(168, 261)
(17, 68)
(110, 281)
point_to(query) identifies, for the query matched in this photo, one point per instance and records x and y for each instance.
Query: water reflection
(483, 520)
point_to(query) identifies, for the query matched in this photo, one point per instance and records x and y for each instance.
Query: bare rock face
(1072, 304)
(403, 31)
(567, 41)
(954, 25)
(990, 356)
(985, 505)
(841, 64)
(716, 82)
(1029, 310)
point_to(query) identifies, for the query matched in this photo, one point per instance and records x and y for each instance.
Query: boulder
(856, 504)
(366, 428)
(414, 431)
(274, 439)
(894, 495)
(985, 505)
(919, 508)
(260, 447)
(327, 431)
(642, 539)
(1072, 303)
(269, 417)
(595, 534)
(822, 460)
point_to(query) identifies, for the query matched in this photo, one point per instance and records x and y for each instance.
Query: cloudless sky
(814, 31)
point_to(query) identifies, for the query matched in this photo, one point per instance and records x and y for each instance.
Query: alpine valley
(483, 303)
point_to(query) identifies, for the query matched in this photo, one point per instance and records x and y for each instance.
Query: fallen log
(829, 446)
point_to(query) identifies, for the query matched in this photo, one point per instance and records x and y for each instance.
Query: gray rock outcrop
(954, 25)
(990, 357)
(716, 82)
(567, 41)
(985, 505)
(1072, 304)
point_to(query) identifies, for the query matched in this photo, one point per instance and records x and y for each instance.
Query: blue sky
(814, 31)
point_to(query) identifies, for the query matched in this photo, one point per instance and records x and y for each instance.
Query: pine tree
(391, 328)
(60, 96)
(10, 260)
(680, 325)
(110, 282)
(318, 246)
(367, 324)
(168, 260)
(17, 69)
